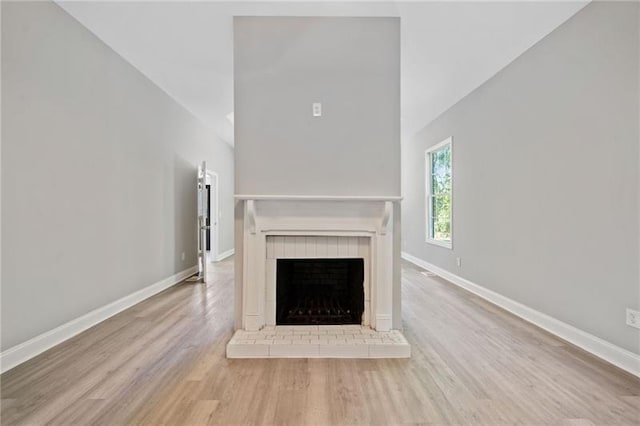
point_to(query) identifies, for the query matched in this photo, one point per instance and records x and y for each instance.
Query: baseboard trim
(607, 351)
(224, 255)
(18, 354)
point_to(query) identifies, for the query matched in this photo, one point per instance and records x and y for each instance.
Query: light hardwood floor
(162, 362)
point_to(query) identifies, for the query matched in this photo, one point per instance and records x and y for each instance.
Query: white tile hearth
(323, 341)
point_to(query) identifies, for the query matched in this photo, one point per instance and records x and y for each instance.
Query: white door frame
(201, 223)
(214, 219)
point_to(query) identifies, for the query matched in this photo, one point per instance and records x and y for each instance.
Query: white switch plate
(317, 109)
(182, 256)
(633, 318)
(459, 261)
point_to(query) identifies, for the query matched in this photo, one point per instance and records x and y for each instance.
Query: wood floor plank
(162, 362)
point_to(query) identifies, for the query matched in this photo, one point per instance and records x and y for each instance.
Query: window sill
(444, 244)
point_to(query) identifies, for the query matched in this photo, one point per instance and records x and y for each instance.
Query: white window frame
(429, 192)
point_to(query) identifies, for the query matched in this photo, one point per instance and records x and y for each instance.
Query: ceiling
(448, 48)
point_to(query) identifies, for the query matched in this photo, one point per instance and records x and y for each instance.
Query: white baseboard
(224, 255)
(35, 346)
(609, 352)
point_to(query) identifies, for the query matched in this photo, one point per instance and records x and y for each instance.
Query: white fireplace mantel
(268, 216)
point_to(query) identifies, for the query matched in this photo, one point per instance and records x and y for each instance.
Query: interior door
(209, 218)
(202, 221)
(213, 215)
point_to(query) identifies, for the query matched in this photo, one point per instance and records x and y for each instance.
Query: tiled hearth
(324, 341)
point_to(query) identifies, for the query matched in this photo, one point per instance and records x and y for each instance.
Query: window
(439, 179)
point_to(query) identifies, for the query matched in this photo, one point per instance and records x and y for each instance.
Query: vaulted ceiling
(448, 48)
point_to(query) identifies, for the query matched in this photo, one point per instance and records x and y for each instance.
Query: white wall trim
(609, 352)
(214, 228)
(224, 255)
(25, 351)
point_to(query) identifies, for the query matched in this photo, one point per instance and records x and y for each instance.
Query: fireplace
(319, 291)
(316, 279)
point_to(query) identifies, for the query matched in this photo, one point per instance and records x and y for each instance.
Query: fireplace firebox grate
(319, 291)
(319, 310)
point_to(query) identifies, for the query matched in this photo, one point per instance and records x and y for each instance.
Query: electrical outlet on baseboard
(182, 256)
(459, 261)
(633, 318)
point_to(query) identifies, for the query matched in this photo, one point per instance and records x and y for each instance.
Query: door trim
(214, 230)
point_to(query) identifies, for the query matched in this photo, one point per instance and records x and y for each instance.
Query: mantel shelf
(318, 197)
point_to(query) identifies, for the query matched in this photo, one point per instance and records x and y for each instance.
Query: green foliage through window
(439, 215)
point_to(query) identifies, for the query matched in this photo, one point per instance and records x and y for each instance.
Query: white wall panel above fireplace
(282, 65)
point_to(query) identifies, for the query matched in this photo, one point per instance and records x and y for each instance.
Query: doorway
(211, 190)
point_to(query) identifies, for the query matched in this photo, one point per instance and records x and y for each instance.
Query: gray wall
(98, 174)
(546, 176)
(284, 64)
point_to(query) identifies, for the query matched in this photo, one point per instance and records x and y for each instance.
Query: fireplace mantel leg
(384, 273)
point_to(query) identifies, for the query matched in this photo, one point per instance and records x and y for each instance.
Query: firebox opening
(319, 291)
